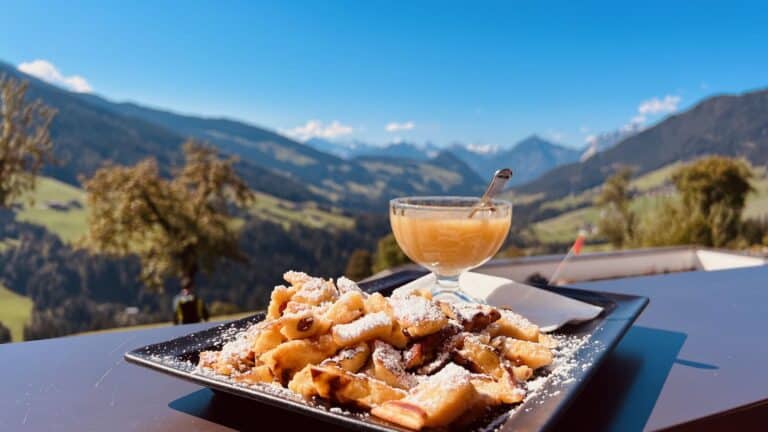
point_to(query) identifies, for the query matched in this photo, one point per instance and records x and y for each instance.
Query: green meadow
(650, 192)
(15, 310)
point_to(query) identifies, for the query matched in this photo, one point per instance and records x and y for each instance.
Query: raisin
(305, 323)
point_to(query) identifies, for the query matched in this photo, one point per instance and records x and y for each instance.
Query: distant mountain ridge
(445, 174)
(606, 140)
(90, 130)
(730, 125)
(355, 149)
(528, 158)
(348, 182)
(88, 134)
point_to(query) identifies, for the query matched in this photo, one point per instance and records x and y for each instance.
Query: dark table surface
(695, 359)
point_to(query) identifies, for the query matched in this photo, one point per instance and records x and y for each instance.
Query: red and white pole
(573, 251)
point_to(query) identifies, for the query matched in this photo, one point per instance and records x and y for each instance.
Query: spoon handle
(500, 179)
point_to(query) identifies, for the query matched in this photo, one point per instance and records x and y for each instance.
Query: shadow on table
(622, 393)
(749, 418)
(244, 414)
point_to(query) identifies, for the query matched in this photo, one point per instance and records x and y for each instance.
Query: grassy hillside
(15, 310)
(728, 125)
(757, 203)
(70, 224)
(285, 212)
(655, 179)
(642, 184)
(563, 228)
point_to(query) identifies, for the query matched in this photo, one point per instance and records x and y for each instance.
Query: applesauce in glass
(439, 234)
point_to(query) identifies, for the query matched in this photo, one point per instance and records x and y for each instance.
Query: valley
(61, 209)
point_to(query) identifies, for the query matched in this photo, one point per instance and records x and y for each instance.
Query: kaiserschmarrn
(407, 359)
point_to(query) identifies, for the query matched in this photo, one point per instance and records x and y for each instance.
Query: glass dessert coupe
(449, 235)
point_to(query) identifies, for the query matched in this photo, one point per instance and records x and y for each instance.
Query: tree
(388, 254)
(754, 231)
(176, 226)
(5, 334)
(712, 193)
(714, 190)
(617, 221)
(359, 265)
(666, 225)
(25, 143)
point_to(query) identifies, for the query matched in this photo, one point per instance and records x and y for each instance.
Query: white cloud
(635, 122)
(316, 128)
(399, 127)
(659, 106)
(651, 107)
(47, 72)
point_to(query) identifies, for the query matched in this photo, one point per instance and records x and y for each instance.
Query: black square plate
(177, 357)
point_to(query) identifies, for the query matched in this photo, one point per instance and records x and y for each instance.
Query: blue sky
(476, 72)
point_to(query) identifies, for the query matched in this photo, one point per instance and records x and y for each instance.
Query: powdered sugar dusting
(450, 378)
(405, 291)
(391, 359)
(564, 366)
(361, 326)
(347, 285)
(415, 310)
(469, 311)
(516, 319)
(296, 277)
(237, 349)
(345, 354)
(316, 290)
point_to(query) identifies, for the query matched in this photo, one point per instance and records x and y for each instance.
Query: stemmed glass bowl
(449, 235)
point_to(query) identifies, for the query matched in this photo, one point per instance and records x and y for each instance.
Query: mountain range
(528, 158)
(606, 140)
(89, 130)
(357, 148)
(730, 125)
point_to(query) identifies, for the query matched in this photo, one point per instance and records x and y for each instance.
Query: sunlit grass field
(285, 212)
(15, 310)
(68, 224)
(564, 227)
(757, 202)
(71, 224)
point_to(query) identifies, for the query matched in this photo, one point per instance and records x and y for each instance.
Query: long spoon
(498, 181)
